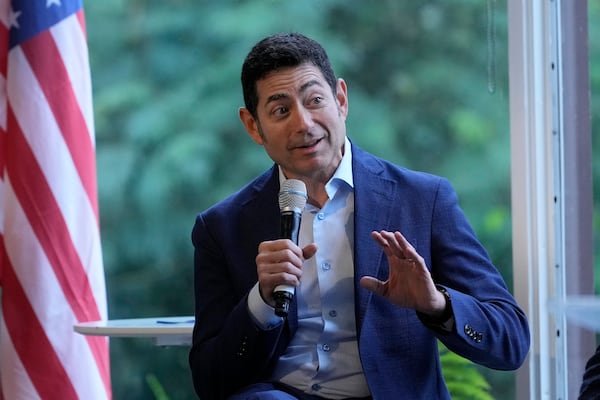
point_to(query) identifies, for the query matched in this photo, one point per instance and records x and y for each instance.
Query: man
(386, 261)
(590, 385)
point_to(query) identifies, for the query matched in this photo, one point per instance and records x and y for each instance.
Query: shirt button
(326, 347)
(325, 266)
(333, 313)
(316, 387)
(321, 216)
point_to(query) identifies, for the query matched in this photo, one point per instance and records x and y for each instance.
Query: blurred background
(428, 89)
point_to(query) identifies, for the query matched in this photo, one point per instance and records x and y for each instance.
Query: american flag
(51, 271)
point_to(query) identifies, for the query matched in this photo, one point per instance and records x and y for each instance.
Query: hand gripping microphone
(292, 199)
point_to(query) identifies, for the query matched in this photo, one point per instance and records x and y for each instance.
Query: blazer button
(242, 350)
(468, 330)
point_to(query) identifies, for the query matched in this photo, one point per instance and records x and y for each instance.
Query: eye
(279, 111)
(317, 100)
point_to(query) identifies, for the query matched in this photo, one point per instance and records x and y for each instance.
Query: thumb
(309, 250)
(373, 284)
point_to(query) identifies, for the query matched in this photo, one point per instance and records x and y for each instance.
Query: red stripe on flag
(4, 38)
(53, 78)
(48, 223)
(29, 338)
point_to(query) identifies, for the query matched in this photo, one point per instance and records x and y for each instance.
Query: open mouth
(310, 145)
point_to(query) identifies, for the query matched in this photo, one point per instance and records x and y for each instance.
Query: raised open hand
(409, 283)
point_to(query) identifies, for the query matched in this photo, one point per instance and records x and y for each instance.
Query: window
(428, 88)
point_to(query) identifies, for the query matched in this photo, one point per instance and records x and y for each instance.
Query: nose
(302, 119)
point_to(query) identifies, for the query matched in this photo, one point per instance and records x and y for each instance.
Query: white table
(164, 331)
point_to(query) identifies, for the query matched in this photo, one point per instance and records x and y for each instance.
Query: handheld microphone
(292, 199)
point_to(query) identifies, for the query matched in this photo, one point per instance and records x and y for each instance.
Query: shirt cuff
(262, 313)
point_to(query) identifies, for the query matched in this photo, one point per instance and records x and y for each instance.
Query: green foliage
(462, 377)
(157, 390)
(594, 52)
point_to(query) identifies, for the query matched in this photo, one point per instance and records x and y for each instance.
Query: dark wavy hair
(278, 51)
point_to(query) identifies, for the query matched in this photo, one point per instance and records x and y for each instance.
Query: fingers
(394, 243)
(373, 284)
(275, 248)
(407, 249)
(279, 262)
(382, 241)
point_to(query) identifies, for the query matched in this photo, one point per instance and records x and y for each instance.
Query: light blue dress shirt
(323, 358)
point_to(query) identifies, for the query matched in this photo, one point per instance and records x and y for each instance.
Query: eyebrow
(303, 88)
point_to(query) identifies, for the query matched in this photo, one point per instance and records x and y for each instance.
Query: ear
(251, 125)
(342, 97)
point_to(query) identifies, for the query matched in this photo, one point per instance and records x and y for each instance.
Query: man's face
(300, 122)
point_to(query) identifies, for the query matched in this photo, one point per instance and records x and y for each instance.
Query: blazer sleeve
(491, 329)
(590, 385)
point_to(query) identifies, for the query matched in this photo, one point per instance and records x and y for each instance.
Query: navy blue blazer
(398, 351)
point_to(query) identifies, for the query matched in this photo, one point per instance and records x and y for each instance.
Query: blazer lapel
(374, 196)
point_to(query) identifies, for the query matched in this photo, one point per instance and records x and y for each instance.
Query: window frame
(551, 187)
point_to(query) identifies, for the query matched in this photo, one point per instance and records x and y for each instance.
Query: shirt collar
(343, 173)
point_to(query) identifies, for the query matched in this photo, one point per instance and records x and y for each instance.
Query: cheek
(273, 146)
(276, 155)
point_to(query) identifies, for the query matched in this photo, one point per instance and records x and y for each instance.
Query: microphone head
(292, 195)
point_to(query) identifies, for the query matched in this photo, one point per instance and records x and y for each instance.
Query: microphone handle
(290, 225)
(290, 229)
